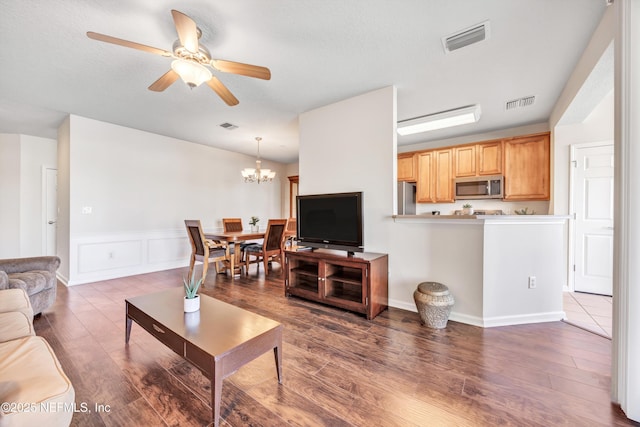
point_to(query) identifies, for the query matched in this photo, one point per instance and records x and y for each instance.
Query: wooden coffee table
(218, 339)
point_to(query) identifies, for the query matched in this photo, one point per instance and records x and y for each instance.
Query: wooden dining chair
(291, 231)
(202, 249)
(231, 224)
(270, 249)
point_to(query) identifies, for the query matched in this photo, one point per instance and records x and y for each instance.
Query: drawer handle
(157, 328)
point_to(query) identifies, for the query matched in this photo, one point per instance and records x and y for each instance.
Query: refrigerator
(406, 198)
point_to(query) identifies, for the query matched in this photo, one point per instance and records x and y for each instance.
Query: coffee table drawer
(162, 333)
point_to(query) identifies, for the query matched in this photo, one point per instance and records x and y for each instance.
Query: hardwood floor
(339, 369)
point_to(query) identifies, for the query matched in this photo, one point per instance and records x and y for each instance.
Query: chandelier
(258, 174)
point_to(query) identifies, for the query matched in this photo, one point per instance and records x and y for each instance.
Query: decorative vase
(255, 228)
(191, 304)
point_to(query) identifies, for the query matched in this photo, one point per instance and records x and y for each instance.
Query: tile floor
(589, 311)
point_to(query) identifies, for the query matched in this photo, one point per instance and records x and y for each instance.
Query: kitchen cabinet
(356, 282)
(443, 176)
(435, 176)
(424, 186)
(527, 168)
(407, 167)
(478, 159)
(465, 161)
(489, 158)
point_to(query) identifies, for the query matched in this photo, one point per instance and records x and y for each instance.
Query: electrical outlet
(532, 282)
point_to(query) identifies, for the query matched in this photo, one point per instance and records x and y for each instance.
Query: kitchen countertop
(521, 218)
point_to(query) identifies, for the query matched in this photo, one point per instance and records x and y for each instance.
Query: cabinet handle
(157, 328)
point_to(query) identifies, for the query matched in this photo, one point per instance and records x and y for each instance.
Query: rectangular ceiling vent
(228, 126)
(466, 37)
(520, 102)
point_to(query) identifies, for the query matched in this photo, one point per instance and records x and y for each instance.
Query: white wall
(597, 127)
(140, 188)
(9, 196)
(350, 146)
(64, 186)
(36, 154)
(22, 159)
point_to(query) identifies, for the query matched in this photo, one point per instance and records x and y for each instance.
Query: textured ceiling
(319, 52)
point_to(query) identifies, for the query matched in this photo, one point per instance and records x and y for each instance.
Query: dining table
(235, 237)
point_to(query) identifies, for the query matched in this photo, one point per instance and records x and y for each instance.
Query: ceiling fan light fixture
(441, 120)
(191, 72)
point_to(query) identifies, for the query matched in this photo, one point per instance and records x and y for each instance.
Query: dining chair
(233, 225)
(270, 249)
(202, 249)
(291, 231)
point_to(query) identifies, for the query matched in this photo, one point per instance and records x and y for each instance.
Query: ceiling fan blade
(127, 43)
(222, 91)
(165, 81)
(242, 69)
(187, 31)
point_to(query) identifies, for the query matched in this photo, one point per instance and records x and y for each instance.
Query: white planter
(191, 304)
(192, 320)
(467, 211)
(255, 228)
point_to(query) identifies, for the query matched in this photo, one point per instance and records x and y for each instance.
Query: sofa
(35, 275)
(34, 389)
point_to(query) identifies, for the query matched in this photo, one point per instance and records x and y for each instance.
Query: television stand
(355, 282)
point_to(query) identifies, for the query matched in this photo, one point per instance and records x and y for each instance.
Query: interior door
(593, 202)
(51, 210)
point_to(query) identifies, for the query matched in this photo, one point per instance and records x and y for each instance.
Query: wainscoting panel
(109, 256)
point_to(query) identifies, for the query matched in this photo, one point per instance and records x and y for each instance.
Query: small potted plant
(191, 297)
(254, 223)
(467, 209)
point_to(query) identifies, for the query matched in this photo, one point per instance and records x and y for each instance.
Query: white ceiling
(319, 52)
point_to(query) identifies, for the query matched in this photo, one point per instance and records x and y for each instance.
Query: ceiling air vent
(466, 37)
(228, 126)
(520, 102)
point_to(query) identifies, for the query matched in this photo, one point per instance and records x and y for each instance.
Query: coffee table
(218, 339)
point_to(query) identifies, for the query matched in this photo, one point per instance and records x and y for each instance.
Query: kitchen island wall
(486, 262)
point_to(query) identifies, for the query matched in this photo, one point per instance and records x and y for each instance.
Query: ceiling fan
(191, 60)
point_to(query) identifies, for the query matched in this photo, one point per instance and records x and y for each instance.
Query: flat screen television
(331, 221)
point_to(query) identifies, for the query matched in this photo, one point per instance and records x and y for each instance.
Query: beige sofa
(34, 389)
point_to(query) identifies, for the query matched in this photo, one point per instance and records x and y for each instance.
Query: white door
(51, 210)
(593, 207)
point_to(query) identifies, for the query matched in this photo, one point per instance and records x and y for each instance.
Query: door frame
(571, 284)
(44, 207)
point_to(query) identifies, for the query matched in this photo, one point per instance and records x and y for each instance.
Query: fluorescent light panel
(444, 119)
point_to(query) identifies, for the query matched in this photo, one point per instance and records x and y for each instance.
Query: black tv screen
(331, 221)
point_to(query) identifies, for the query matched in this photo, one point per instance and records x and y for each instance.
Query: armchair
(36, 275)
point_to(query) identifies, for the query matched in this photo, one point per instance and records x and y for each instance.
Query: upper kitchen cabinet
(527, 168)
(478, 159)
(435, 176)
(424, 186)
(407, 167)
(443, 172)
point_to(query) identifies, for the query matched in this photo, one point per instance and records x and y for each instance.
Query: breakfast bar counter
(501, 269)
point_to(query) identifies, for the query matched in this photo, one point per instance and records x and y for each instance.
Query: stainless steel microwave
(479, 187)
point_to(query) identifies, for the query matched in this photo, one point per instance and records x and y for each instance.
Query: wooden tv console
(356, 282)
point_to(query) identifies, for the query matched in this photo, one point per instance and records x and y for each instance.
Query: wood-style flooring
(338, 368)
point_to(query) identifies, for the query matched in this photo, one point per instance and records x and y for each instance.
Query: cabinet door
(443, 175)
(527, 168)
(490, 158)
(345, 284)
(407, 167)
(465, 159)
(424, 186)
